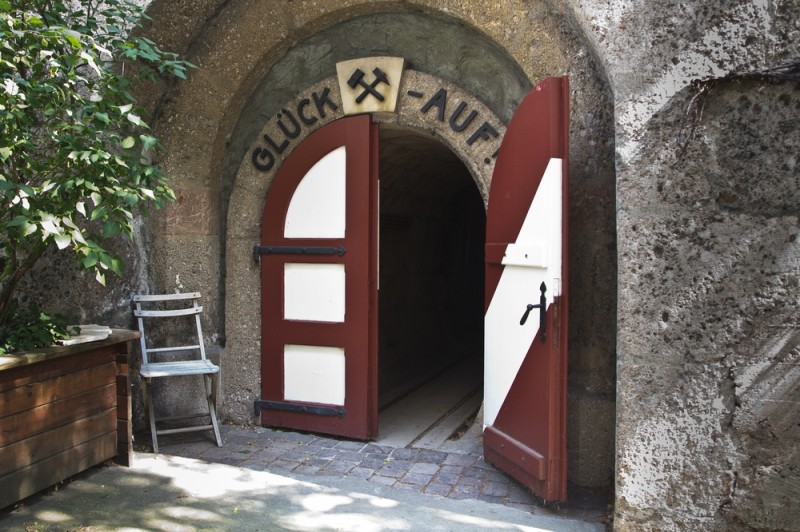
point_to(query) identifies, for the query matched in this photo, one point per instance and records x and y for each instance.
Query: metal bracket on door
(295, 250)
(542, 306)
(260, 404)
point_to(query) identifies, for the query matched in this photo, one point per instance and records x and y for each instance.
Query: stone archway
(254, 58)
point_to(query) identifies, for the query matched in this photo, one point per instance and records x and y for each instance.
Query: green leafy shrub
(30, 328)
(75, 150)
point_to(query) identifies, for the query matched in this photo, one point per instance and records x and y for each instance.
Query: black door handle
(542, 306)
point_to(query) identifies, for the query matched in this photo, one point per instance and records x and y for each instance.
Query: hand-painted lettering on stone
(456, 120)
(290, 125)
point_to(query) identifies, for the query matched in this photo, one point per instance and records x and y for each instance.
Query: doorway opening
(430, 339)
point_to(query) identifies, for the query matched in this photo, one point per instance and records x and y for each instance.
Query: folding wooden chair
(178, 365)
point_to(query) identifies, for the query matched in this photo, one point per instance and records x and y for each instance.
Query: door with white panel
(319, 285)
(525, 336)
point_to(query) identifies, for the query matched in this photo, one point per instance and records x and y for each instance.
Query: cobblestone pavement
(454, 475)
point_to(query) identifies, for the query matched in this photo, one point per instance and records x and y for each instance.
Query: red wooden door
(526, 295)
(318, 285)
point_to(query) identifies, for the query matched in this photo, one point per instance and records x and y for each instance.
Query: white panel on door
(314, 374)
(314, 292)
(534, 258)
(317, 208)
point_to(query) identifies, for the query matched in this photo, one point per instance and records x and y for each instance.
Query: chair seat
(178, 368)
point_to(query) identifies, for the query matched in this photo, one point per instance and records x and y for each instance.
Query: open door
(318, 285)
(526, 295)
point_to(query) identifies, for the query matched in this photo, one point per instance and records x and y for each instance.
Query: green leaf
(148, 141)
(136, 120)
(99, 213)
(62, 240)
(128, 142)
(90, 260)
(17, 221)
(111, 229)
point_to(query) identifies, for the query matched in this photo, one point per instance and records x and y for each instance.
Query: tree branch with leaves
(75, 151)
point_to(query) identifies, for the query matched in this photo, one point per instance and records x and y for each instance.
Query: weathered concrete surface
(709, 340)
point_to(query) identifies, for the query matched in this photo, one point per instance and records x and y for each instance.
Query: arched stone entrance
(248, 73)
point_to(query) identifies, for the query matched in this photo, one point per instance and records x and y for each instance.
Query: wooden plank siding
(61, 412)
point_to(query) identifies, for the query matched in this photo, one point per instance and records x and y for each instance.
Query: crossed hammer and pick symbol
(357, 78)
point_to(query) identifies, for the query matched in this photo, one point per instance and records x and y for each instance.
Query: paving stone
(228, 461)
(325, 453)
(437, 488)
(473, 473)
(237, 437)
(339, 466)
(397, 465)
(282, 465)
(283, 444)
(495, 489)
(409, 487)
(350, 456)
(464, 492)
(482, 464)
(361, 472)
(297, 455)
(372, 463)
(495, 476)
(371, 448)
(432, 457)
(447, 478)
(416, 479)
(382, 480)
(350, 445)
(323, 443)
(459, 459)
(267, 455)
(404, 454)
(451, 470)
(468, 481)
(319, 462)
(306, 470)
(424, 469)
(296, 436)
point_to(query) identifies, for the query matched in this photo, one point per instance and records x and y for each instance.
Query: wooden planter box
(63, 410)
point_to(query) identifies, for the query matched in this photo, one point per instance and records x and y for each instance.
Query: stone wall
(707, 199)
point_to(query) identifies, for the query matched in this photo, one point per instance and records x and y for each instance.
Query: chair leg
(211, 395)
(147, 385)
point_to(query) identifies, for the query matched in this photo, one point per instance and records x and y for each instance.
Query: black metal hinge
(260, 404)
(296, 250)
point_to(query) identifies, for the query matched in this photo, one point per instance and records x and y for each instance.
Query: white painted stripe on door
(317, 208)
(506, 342)
(314, 292)
(314, 374)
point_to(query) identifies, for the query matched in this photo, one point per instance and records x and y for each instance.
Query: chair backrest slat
(194, 310)
(165, 297)
(167, 313)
